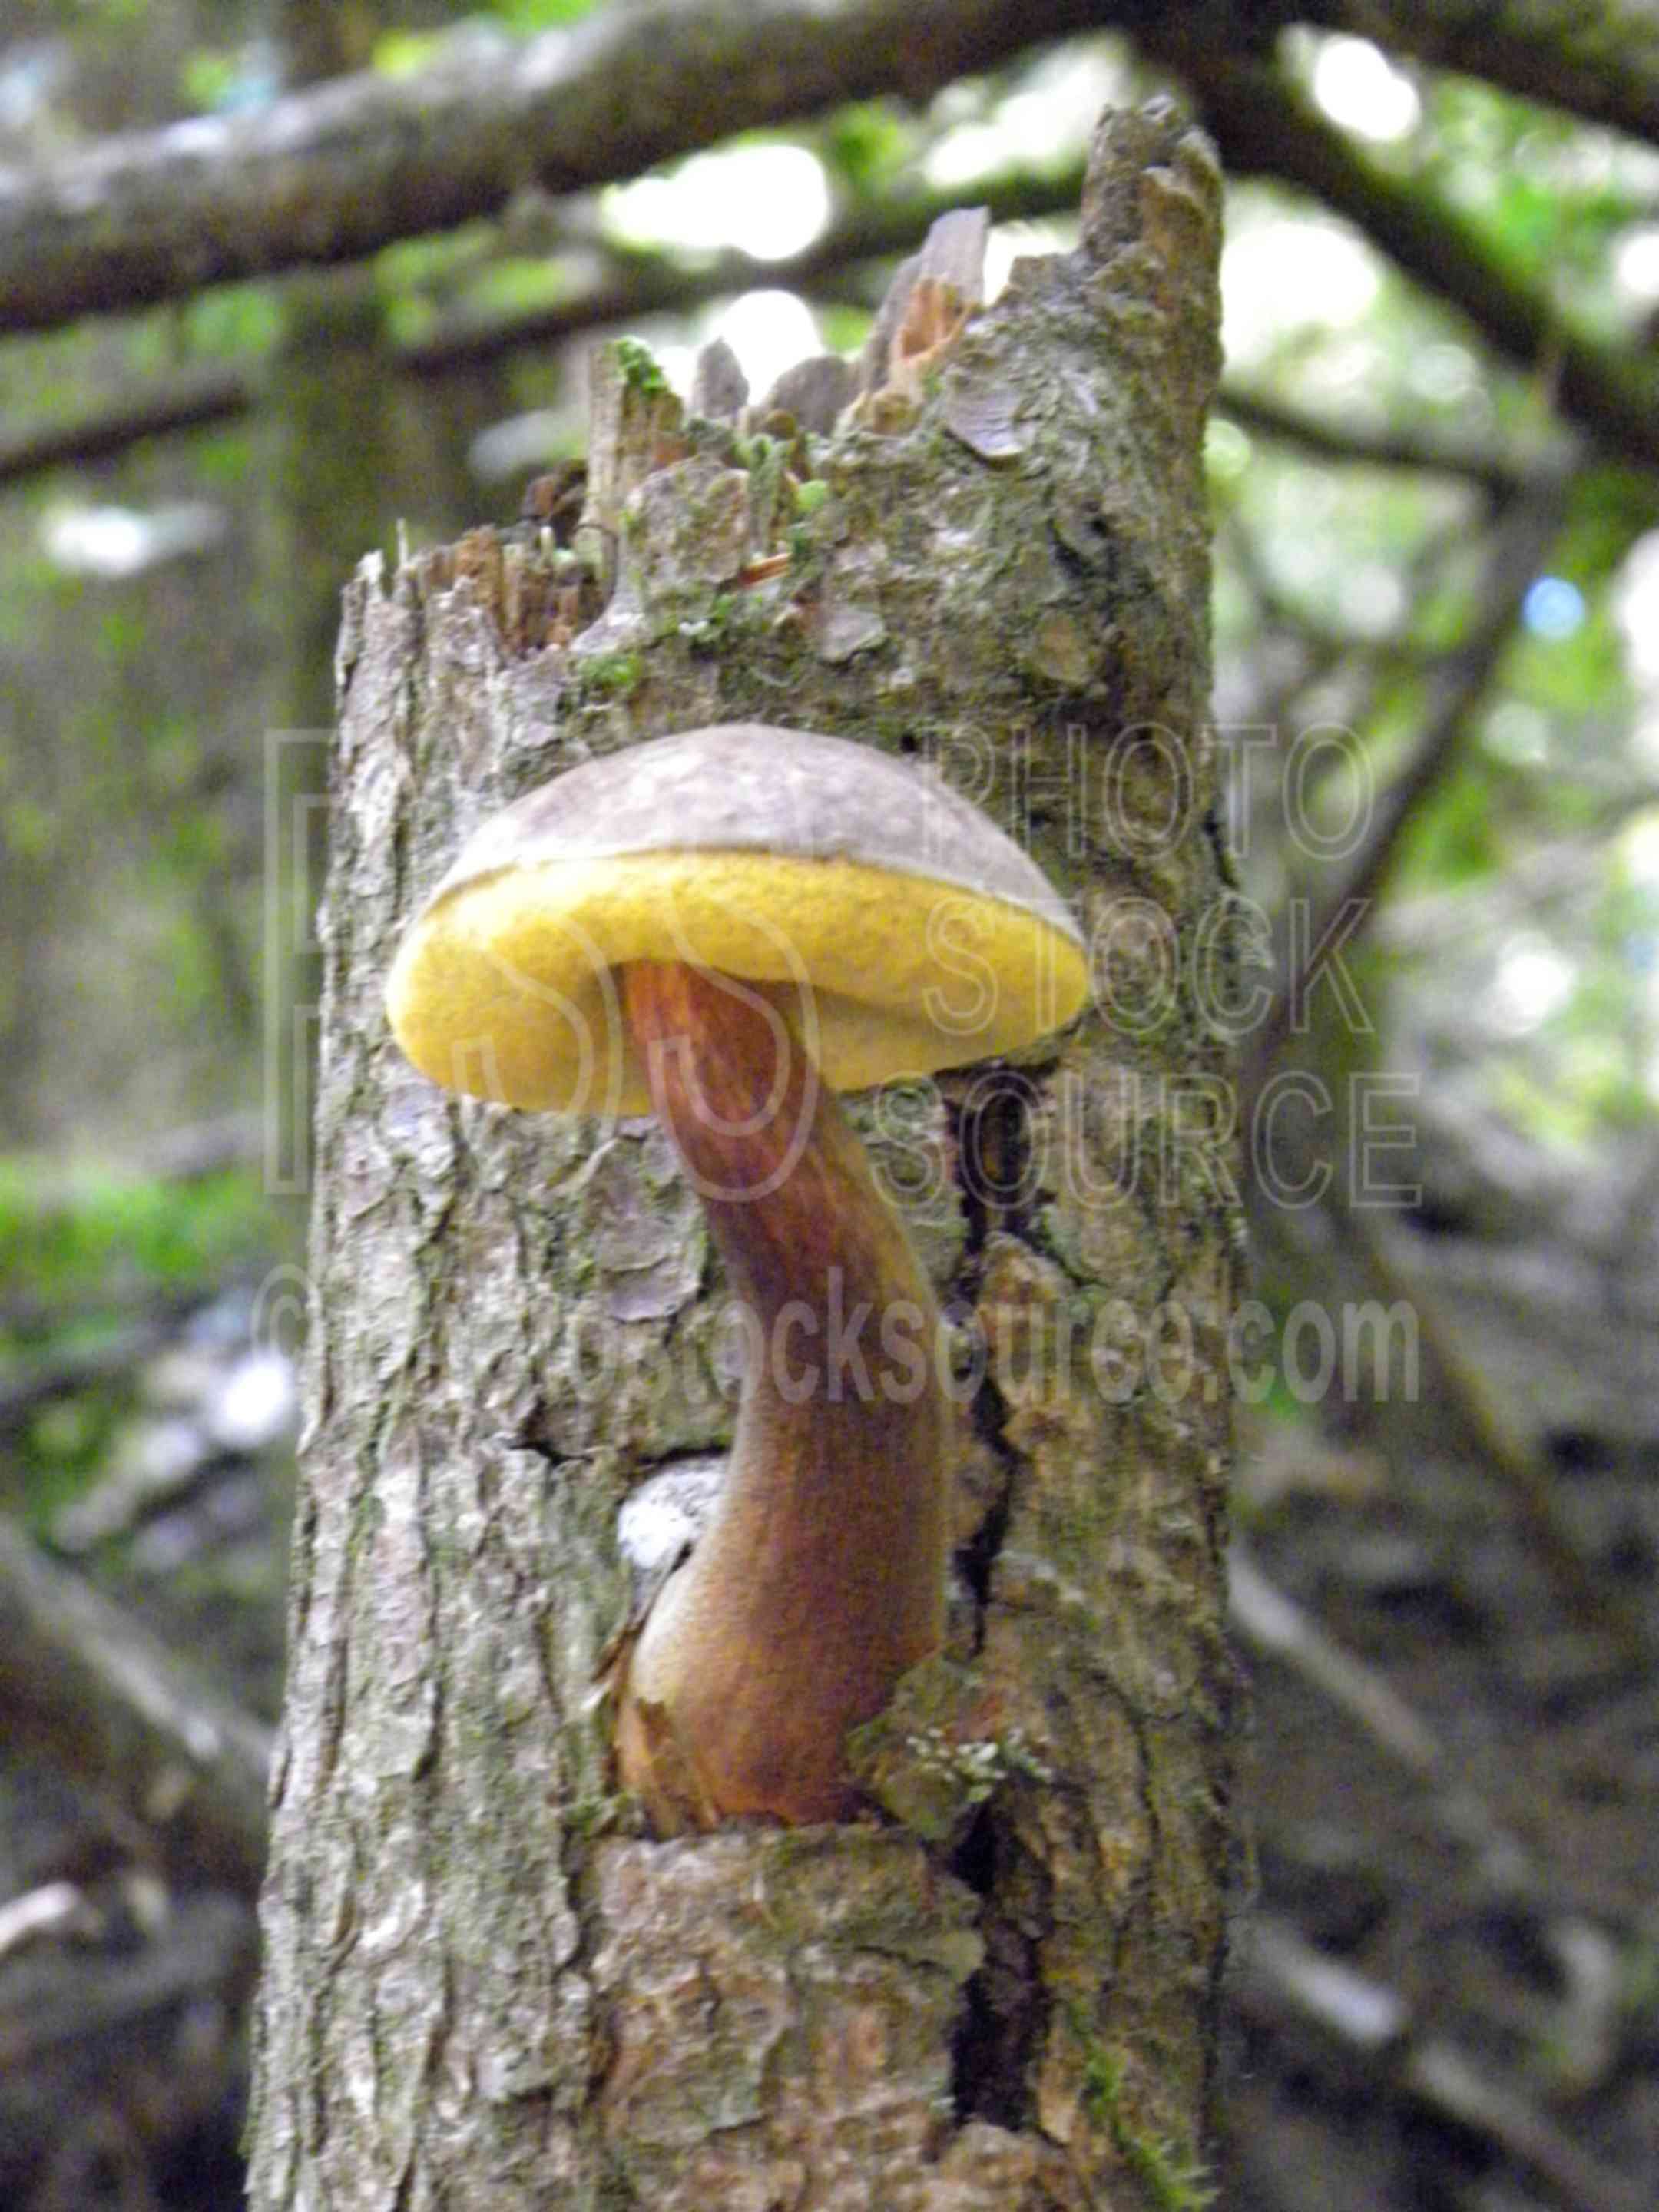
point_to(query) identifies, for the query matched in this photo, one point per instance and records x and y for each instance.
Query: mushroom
(727, 926)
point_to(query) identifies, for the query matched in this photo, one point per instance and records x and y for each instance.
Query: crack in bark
(997, 2035)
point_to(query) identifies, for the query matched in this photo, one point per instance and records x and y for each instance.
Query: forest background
(1437, 610)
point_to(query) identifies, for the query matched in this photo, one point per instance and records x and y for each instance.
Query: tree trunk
(483, 1986)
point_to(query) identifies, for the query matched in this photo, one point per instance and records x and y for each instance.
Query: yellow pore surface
(505, 987)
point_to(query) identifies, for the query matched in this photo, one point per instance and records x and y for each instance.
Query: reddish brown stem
(821, 1579)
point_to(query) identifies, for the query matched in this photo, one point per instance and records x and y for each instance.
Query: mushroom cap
(896, 926)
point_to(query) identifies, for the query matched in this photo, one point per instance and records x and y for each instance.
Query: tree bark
(483, 1986)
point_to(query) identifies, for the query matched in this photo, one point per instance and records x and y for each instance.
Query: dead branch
(1277, 1628)
(80, 1682)
(1284, 1983)
(1502, 1442)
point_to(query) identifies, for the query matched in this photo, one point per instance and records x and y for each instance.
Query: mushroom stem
(821, 1578)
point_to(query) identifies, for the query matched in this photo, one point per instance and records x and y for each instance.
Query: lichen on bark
(481, 1987)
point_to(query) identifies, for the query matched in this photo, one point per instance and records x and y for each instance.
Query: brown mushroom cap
(898, 927)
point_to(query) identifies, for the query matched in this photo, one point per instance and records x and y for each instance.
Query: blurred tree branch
(1264, 126)
(1460, 676)
(1561, 867)
(1502, 474)
(1500, 1437)
(334, 172)
(1600, 63)
(647, 281)
(75, 1366)
(93, 1691)
(632, 284)
(185, 402)
(635, 283)
(331, 174)
(1289, 1987)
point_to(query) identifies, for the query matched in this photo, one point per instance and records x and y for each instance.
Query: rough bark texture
(481, 1990)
